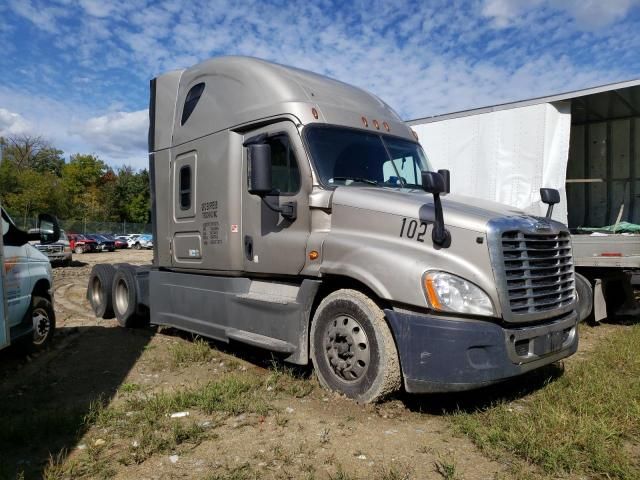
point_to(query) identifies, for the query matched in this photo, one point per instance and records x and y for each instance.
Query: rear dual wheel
(352, 348)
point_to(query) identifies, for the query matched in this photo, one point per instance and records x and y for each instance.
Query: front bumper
(440, 354)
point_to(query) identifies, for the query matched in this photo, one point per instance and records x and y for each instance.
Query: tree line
(35, 178)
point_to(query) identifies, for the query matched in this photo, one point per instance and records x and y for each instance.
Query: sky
(76, 72)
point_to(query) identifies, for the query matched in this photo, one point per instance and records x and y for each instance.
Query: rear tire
(125, 297)
(99, 290)
(136, 246)
(352, 348)
(44, 323)
(79, 250)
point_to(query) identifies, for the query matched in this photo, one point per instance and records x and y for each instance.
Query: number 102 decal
(413, 229)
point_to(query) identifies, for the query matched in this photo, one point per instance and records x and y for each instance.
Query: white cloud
(588, 14)
(118, 135)
(12, 123)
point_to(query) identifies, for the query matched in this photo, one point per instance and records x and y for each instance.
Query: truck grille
(538, 271)
(50, 248)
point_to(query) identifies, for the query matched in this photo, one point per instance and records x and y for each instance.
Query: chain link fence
(84, 226)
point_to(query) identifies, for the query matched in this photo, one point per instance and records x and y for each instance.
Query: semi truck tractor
(298, 214)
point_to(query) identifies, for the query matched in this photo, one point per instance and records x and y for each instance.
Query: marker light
(376, 124)
(313, 255)
(386, 126)
(314, 113)
(364, 122)
(415, 135)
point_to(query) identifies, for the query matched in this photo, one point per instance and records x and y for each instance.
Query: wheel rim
(41, 325)
(346, 348)
(122, 296)
(96, 291)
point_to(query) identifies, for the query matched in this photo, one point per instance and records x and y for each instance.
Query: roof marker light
(364, 122)
(314, 113)
(415, 135)
(376, 124)
(386, 126)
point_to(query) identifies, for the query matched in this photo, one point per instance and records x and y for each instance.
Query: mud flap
(599, 303)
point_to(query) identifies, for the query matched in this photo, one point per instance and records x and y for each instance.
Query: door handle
(248, 247)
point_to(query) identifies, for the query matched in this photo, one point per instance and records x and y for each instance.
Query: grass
(141, 426)
(586, 422)
(184, 353)
(284, 379)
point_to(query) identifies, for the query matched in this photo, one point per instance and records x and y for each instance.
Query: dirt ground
(311, 435)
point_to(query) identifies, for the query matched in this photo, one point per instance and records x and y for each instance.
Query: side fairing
(390, 252)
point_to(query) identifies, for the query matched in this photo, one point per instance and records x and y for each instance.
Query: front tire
(44, 322)
(352, 348)
(79, 250)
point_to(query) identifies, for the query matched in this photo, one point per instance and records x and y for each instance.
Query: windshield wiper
(357, 179)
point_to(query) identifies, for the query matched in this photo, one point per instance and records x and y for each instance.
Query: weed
(341, 475)
(185, 353)
(129, 388)
(283, 379)
(580, 423)
(445, 466)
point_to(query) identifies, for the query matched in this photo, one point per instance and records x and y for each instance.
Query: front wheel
(79, 250)
(44, 322)
(352, 348)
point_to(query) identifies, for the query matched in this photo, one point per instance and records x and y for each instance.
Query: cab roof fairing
(242, 90)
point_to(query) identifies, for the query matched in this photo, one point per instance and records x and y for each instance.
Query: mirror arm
(549, 210)
(440, 235)
(288, 210)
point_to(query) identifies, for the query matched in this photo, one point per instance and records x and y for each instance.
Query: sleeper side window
(185, 187)
(193, 96)
(285, 173)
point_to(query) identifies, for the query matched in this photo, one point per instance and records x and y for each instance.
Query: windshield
(344, 156)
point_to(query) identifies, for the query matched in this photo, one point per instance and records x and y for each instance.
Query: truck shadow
(486, 397)
(45, 399)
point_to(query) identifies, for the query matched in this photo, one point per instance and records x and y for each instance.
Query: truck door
(273, 244)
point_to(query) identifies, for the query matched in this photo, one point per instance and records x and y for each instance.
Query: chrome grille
(50, 248)
(538, 269)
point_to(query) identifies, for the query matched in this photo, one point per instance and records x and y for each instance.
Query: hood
(460, 211)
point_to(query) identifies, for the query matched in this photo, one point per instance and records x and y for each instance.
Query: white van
(26, 285)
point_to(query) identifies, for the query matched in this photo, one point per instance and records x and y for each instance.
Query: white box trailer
(583, 143)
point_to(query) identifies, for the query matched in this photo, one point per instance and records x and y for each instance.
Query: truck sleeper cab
(299, 214)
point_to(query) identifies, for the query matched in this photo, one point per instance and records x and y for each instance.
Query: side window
(405, 167)
(185, 187)
(285, 174)
(191, 101)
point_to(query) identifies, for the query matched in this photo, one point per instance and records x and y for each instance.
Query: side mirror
(260, 182)
(48, 228)
(446, 176)
(433, 182)
(437, 183)
(550, 196)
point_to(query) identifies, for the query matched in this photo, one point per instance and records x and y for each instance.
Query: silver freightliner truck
(299, 214)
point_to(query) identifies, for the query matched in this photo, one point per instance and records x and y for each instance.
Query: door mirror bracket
(260, 181)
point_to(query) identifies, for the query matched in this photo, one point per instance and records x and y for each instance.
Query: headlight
(449, 293)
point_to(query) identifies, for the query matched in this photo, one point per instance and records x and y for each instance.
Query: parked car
(81, 244)
(143, 241)
(59, 252)
(119, 243)
(103, 243)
